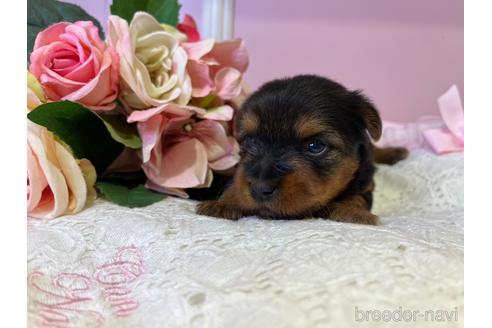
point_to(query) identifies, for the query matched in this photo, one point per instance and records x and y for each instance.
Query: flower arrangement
(141, 112)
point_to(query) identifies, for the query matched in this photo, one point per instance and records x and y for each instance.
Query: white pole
(218, 19)
(228, 22)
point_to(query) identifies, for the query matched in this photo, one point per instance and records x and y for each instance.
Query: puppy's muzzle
(263, 176)
(263, 191)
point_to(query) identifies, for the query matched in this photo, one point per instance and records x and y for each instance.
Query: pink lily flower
(216, 67)
(180, 151)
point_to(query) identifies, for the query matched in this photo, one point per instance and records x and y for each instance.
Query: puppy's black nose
(263, 191)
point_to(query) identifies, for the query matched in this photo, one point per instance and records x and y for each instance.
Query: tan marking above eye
(308, 127)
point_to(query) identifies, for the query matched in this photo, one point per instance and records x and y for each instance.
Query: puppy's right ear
(369, 115)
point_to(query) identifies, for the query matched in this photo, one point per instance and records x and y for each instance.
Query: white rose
(152, 63)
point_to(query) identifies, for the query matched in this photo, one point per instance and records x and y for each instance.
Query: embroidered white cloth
(165, 266)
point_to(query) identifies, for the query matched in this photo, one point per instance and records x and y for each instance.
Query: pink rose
(216, 67)
(180, 151)
(72, 63)
(57, 183)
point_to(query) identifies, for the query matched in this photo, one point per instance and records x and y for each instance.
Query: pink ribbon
(451, 137)
(443, 134)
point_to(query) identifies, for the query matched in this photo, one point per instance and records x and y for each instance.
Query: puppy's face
(300, 142)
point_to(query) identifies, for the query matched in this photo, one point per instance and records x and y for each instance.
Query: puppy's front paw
(358, 216)
(365, 217)
(218, 210)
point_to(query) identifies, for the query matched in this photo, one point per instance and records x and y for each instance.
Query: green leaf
(121, 131)
(32, 32)
(206, 101)
(165, 11)
(120, 194)
(43, 13)
(127, 8)
(82, 130)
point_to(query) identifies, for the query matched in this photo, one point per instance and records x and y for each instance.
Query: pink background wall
(403, 54)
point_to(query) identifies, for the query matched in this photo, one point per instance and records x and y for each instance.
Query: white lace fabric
(165, 266)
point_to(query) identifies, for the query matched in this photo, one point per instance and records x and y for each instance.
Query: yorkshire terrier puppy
(306, 151)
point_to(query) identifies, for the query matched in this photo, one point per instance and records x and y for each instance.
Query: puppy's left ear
(369, 114)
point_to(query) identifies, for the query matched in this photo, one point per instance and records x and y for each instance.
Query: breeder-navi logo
(398, 315)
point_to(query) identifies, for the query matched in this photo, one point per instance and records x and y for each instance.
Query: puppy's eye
(316, 146)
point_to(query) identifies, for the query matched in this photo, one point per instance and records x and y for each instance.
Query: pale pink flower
(57, 183)
(180, 151)
(72, 63)
(216, 67)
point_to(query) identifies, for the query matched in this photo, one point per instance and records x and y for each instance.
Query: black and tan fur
(279, 177)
